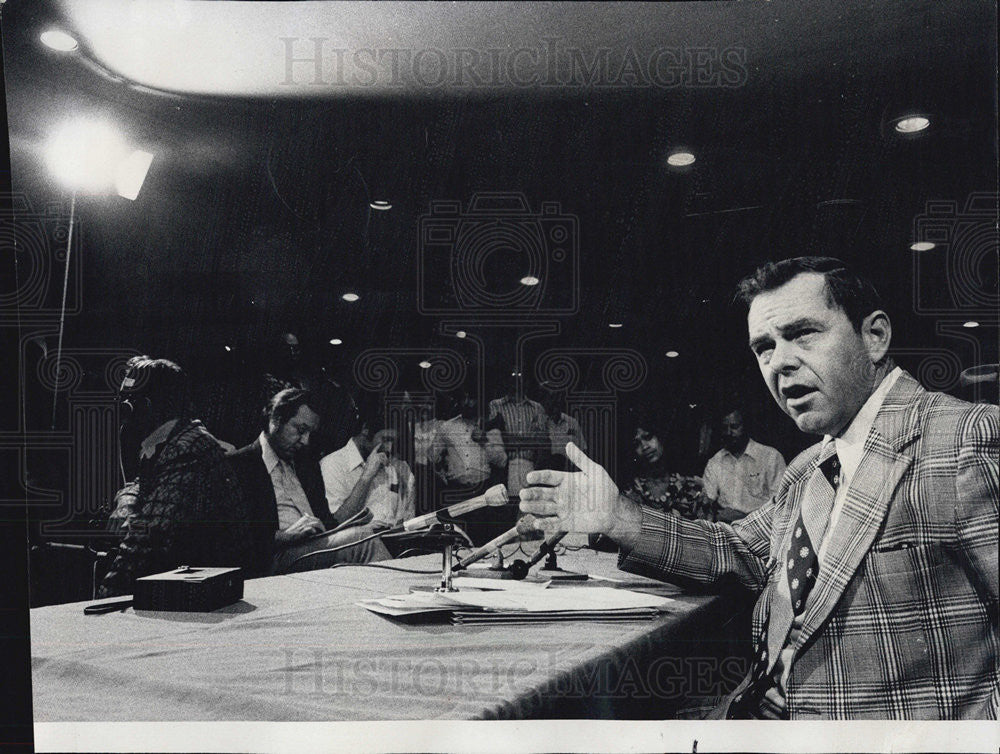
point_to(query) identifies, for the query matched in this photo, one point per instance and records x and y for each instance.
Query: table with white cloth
(299, 648)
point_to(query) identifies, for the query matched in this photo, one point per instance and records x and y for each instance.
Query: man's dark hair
(846, 290)
(285, 404)
(162, 381)
(369, 412)
(735, 407)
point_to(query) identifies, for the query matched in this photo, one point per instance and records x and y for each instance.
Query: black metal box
(189, 589)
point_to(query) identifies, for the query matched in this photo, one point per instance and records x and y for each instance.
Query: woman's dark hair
(846, 290)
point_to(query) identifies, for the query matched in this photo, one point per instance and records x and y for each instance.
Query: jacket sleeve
(701, 552)
(151, 539)
(976, 489)
(976, 520)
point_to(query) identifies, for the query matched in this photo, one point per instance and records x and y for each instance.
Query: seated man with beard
(284, 488)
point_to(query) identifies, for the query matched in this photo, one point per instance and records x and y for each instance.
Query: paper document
(566, 600)
(464, 583)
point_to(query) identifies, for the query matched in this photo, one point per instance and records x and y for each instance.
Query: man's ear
(876, 331)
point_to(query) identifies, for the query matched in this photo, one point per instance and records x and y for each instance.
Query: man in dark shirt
(188, 509)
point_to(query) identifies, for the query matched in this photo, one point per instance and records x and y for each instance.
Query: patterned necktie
(801, 567)
(801, 561)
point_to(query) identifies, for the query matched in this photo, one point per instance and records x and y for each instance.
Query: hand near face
(376, 460)
(574, 501)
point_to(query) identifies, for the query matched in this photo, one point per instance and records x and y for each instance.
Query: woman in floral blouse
(658, 487)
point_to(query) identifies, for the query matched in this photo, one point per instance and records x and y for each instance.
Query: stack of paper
(510, 604)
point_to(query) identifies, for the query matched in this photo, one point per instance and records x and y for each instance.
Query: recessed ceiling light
(922, 245)
(460, 334)
(335, 341)
(228, 349)
(529, 280)
(672, 354)
(424, 365)
(58, 40)
(912, 124)
(614, 325)
(380, 205)
(970, 323)
(352, 297)
(680, 159)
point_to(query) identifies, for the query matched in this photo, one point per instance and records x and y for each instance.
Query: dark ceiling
(255, 215)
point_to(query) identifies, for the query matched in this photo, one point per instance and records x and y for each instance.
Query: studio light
(90, 156)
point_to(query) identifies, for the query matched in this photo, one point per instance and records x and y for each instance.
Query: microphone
(546, 547)
(496, 495)
(525, 526)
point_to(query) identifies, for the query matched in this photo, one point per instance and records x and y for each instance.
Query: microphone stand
(548, 551)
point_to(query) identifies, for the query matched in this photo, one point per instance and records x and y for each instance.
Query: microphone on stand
(525, 527)
(496, 495)
(546, 548)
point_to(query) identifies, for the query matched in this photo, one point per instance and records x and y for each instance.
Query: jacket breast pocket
(899, 557)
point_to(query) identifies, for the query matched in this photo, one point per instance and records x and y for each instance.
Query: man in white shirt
(472, 457)
(562, 429)
(470, 454)
(366, 473)
(744, 474)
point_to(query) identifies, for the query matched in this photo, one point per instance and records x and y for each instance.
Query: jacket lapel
(867, 500)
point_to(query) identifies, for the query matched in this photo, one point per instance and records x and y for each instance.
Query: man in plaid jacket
(876, 560)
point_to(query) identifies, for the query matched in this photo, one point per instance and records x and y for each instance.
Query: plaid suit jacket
(903, 619)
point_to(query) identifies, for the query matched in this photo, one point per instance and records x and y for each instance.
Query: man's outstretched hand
(585, 501)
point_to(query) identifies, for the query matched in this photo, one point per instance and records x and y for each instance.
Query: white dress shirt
(744, 482)
(468, 461)
(288, 493)
(391, 496)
